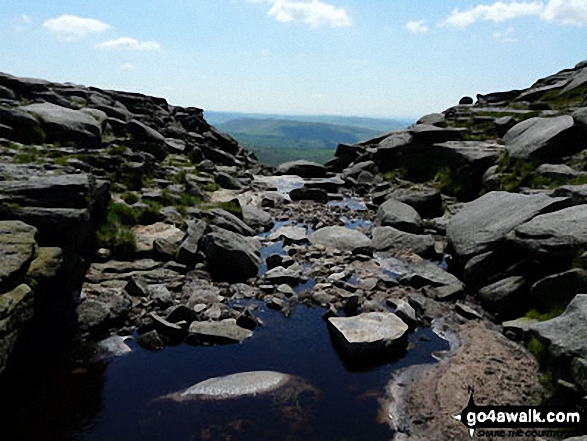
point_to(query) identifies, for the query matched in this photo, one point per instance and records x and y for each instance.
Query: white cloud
(21, 23)
(128, 66)
(129, 44)
(417, 27)
(505, 36)
(498, 12)
(566, 12)
(314, 13)
(71, 27)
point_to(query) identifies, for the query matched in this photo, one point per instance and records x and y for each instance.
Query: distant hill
(276, 139)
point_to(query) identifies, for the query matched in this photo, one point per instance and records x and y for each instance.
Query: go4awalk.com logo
(520, 421)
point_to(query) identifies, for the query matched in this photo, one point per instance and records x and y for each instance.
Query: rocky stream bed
(157, 282)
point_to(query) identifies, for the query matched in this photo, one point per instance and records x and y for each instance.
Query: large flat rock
(63, 124)
(223, 331)
(393, 240)
(543, 138)
(369, 334)
(483, 224)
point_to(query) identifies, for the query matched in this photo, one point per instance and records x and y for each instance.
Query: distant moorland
(280, 138)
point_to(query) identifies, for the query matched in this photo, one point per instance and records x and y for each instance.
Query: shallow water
(69, 397)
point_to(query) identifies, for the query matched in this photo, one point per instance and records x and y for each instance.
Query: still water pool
(74, 397)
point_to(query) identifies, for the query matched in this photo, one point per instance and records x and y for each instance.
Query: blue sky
(401, 58)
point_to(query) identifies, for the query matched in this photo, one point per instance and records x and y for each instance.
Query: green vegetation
(391, 176)
(538, 350)
(543, 316)
(573, 98)
(279, 140)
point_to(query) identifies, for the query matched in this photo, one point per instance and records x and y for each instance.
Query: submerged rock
(234, 386)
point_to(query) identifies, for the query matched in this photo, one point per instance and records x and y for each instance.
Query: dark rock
(558, 289)
(231, 257)
(355, 170)
(227, 181)
(304, 169)
(426, 201)
(151, 341)
(16, 310)
(181, 313)
(137, 287)
(506, 297)
(173, 332)
(467, 312)
(17, 250)
(25, 128)
(247, 320)
(308, 194)
(577, 193)
(217, 156)
(466, 101)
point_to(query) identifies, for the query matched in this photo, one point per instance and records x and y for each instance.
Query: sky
(381, 58)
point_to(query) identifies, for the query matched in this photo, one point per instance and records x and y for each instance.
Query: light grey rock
(566, 335)
(556, 171)
(518, 329)
(467, 312)
(393, 240)
(368, 334)
(62, 124)
(187, 252)
(228, 221)
(339, 237)
(555, 234)
(434, 119)
(482, 225)
(290, 234)
(255, 217)
(224, 331)
(406, 312)
(543, 138)
(577, 193)
(396, 214)
(114, 346)
(234, 386)
(279, 275)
